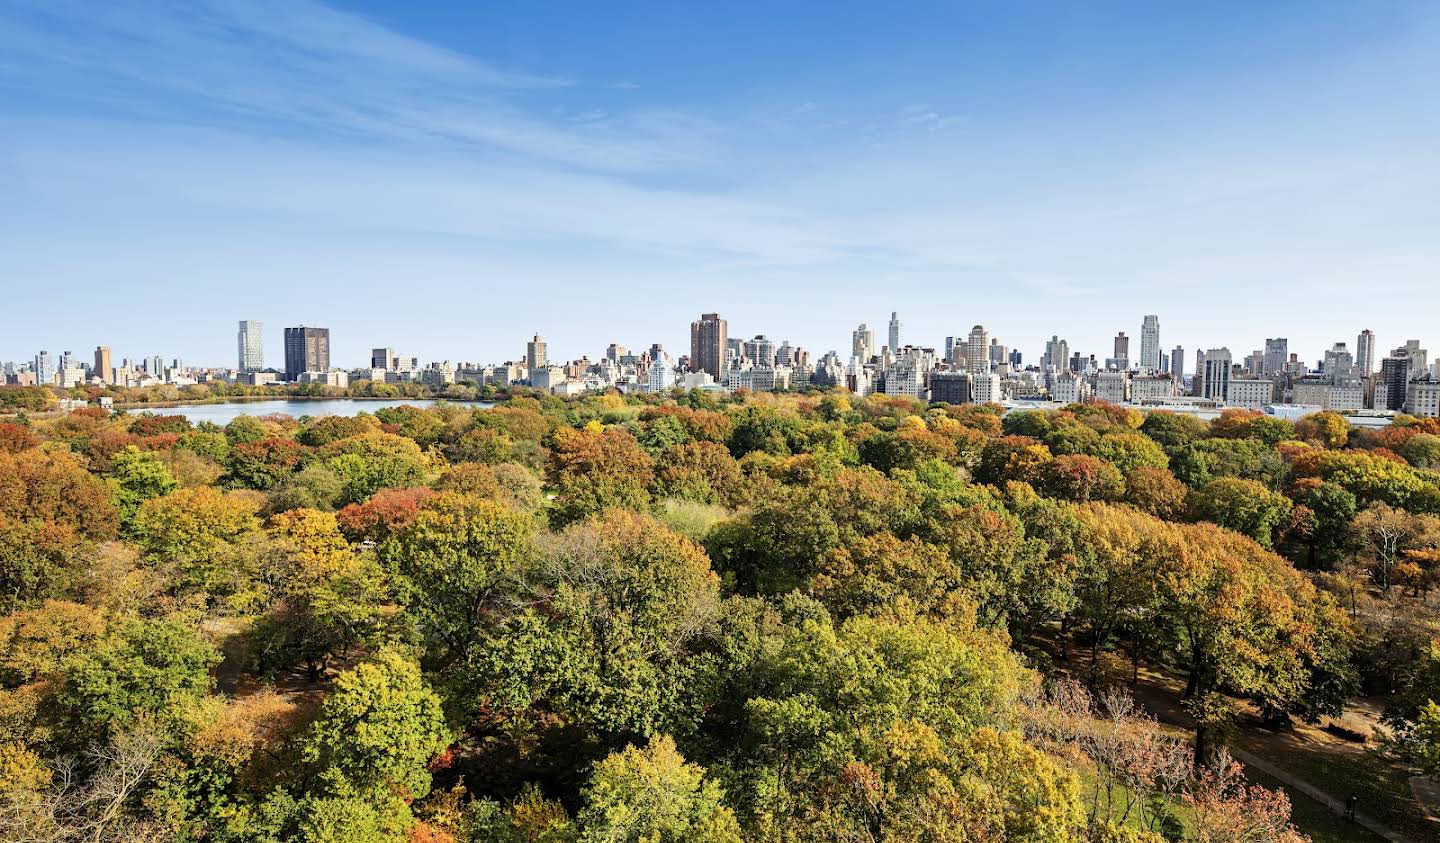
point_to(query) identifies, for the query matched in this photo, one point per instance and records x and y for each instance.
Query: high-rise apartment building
(894, 332)
(250, 346)
(535, 354)
(999, 355)
(1177, 364)
(104, 365)
(1394, 381)
(1150, 343)
(1122, 348)
(862, 343)
(760, 351)
(1365, 353)
(44, 369)
(709, 341)
(306, 350)
(1419, 357)
(1057, 354)
(977, 350)
(1277, 351)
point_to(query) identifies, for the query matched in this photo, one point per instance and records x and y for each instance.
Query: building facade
(306, 350)
(1150, 343)
(709, 340)
(250, 346)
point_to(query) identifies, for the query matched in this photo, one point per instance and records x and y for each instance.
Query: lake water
(223, 414)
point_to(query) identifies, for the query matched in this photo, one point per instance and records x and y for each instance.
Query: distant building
(760, 351)
(1319, 392)
(535, 354)
(1177, 366)
(709, 343)
(326, 377)
(1150, 344)
(306, 350)
(1057, 355)
(1365, 353)
(862, 343)
(1422, 398)
(250, 346)
(977, 350)
(1152, 388)
(661, 375)
(952, 388)
(44, 369)
(1113, 387)
(986, 387)
(104, 364)
(1277, 351)
(1067, 388)
(1391, 391)
(1215, 375)
(1121, 356)
(894, 331)
(1252, 393)
(382, 358)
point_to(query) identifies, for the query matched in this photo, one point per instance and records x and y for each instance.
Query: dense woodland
(771, 617)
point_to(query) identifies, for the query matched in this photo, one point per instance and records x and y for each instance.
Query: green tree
(652, 795)
(142, 669)
(138, 476)
(370, 746)
(458, 562)
(1173, 431)
(373, 461)
(38, 561)
(190, 526)
(1244, 506)
(621, 603)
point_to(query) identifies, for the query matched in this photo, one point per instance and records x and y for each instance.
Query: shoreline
(245, 399)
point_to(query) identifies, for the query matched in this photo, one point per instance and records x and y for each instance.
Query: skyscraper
(1177, 365)
(894, 331)
(382, 358)
(1057, 354)
(103, 363)
(1277, 351)
(535, 354)
(1122, 351)
(977, 350)
(306, 350)
(1394, 378)
(1150, 343)
(709, 339)
(250, 346)
(44, 369)
(1365, 352)
(862, 343)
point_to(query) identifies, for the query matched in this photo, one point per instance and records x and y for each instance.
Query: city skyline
(1272, 353)
(1034, 168)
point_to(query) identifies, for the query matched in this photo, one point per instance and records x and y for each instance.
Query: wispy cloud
(924, 117)
(306, 64)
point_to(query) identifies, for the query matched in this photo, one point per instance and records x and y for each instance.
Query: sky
(447, 179)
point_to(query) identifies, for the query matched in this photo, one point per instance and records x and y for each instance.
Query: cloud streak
(301, 63)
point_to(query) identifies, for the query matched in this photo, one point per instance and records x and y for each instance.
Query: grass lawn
(1315, 819)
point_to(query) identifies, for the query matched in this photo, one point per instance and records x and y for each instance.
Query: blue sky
(450, 178)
